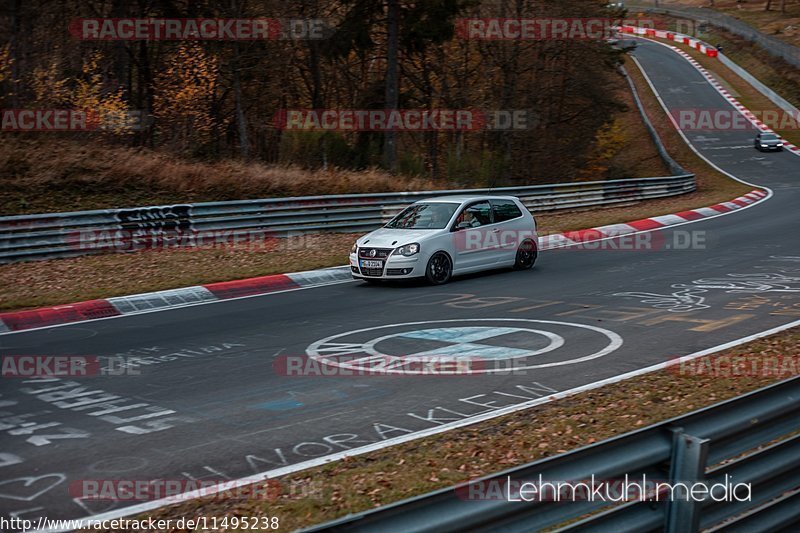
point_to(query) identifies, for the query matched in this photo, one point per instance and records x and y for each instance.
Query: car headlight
(407, 250)
(764, 146)
(354, 249)
(779, 144)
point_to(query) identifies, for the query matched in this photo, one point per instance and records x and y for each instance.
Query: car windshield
(769, 137)
(424, 216)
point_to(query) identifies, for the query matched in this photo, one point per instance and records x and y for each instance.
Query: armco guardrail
(777, 99)
(725, 60)
(697, 44)
(742, 440)
(776, 47)
(45, 236)
(672, 165)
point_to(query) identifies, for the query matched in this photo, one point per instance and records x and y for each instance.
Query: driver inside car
(469, 218)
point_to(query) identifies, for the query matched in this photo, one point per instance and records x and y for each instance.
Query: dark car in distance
(766, 142)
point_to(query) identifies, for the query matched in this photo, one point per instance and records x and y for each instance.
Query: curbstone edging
(560, 240)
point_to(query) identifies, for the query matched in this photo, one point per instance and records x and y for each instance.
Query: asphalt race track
(209, 403)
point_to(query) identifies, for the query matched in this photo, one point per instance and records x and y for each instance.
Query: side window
(505, 210)
(475, 215)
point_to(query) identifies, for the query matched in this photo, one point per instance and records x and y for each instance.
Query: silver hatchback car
(442, 237)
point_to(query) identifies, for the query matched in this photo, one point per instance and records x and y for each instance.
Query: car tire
(439, 269)
(526, 256)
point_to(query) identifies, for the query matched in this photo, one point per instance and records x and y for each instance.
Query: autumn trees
(217, 99)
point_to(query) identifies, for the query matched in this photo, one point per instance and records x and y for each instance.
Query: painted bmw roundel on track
(484, 345)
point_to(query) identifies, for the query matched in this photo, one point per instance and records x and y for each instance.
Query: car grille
(380, 253)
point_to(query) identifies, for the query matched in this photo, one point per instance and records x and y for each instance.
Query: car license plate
(371, 264)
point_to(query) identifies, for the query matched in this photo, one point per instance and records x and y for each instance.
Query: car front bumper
(394, 267)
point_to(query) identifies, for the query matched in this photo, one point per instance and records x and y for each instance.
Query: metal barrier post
(687, 466)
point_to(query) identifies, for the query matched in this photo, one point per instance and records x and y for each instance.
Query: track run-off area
(207, 399)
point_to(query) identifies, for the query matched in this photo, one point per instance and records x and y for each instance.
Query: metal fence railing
(45, 236)
(751, 439)
(773, 45)
(777, 99)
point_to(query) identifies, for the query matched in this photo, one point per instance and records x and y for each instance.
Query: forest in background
(216, 100)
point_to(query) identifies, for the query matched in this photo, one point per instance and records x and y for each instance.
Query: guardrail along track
(46, 236)
(743, 438)
(773, 45)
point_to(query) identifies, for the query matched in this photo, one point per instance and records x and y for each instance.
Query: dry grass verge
(624, 149)
(41, 283)
(362, 482)
(784, 26)
(41, 174)
(54, 175)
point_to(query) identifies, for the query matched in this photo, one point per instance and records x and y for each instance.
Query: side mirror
(463, 225)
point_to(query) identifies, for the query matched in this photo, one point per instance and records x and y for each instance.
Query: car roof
(462, 199)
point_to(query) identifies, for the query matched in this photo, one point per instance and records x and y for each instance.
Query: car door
(473, 250)
(509, 229)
